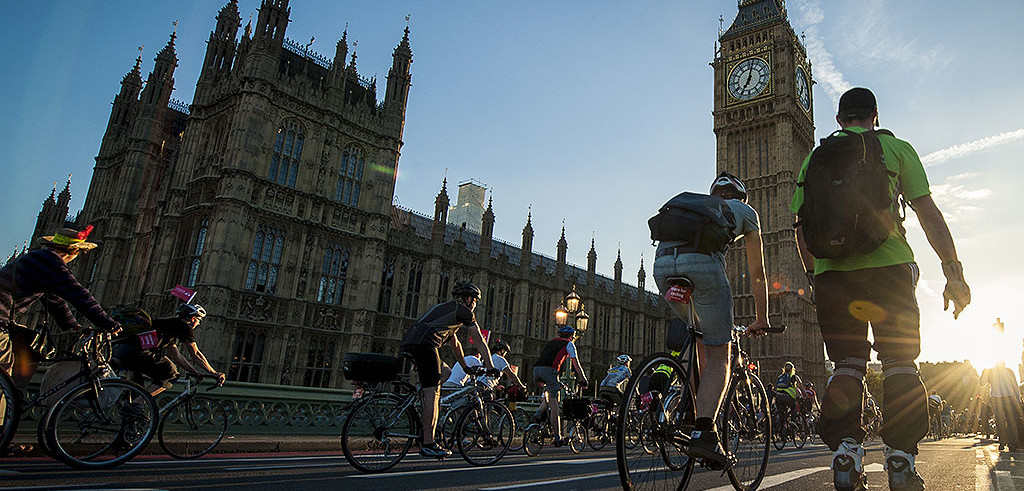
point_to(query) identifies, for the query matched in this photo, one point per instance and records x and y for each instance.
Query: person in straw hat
(44, 274)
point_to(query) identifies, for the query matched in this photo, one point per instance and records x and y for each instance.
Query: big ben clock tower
(763, 112)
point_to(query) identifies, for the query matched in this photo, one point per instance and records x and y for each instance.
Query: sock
(704, 424)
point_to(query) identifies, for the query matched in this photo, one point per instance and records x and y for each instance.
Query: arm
(178, 359)
(579, 370)
(941, 240)
(201, 358)
(478, 340)
(460, 356)
(512, 375)
(758, 284)
(805, 255)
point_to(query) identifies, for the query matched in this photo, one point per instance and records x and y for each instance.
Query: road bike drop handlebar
(769, 330)
(481, 371)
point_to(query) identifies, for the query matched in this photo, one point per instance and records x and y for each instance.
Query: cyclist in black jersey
(422, 341)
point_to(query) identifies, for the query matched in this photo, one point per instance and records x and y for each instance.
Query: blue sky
(594, 114)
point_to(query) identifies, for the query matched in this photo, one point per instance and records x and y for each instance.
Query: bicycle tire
(598, 438)
(640, 470)
(192, 427)
(533, 439)
(101, 429)
(364, 438)
(801, 434)
(679, 407)
(577, 437)
(444, 432)
(484, 433)
(10, 409)
(746, 432)
(779, 437)
(521, 418)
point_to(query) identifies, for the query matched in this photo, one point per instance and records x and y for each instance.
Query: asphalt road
(952, 464)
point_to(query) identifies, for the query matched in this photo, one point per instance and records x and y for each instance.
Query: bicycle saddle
(680, 281)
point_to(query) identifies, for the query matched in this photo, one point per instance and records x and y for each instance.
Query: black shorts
(159, 368)
(428, 363)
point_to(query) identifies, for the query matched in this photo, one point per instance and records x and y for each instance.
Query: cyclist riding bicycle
(546, 371)
(789, 391)
(617, 376)
(499, 349)
(421, 342)
(43, 274)
(155, 353)
(712, 299)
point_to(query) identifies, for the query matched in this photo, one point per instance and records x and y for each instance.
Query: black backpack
(702, 221)
(848, 207)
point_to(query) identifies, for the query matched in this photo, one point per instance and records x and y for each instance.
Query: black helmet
(728, 185)
(500, 345)
(466, 289)
(190, 310)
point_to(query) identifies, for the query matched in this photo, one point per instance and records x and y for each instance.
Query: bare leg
(712, 381)
(430, 401)
(553, 419)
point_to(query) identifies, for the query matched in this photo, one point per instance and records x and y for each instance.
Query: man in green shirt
(878, 288)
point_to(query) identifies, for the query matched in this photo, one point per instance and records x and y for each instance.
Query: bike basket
(576, 408)
(370, 367)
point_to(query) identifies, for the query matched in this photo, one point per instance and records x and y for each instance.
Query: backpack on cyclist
(783, 381)
(703, 221)
(848, 207)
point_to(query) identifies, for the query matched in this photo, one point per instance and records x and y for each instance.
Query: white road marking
(778, 479)
(556, 481)
(875, 467)
(265, 467)
(462, 469)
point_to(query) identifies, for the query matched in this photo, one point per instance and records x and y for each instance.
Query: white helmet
(730, 186)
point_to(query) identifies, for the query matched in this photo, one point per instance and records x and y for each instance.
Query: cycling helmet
(500, 345)
(190, 310)
(566, 330)
(624, 359)
(466, 289)
(729, 186)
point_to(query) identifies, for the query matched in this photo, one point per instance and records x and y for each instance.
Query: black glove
(810, 283)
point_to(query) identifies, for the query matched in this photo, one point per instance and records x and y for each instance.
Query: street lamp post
(571, 313)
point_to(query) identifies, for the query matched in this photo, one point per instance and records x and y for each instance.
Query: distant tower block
(469, 208)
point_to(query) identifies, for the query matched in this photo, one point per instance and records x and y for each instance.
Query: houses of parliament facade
(271, 195)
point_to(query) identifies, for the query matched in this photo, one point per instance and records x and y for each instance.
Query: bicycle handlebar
(770, 330)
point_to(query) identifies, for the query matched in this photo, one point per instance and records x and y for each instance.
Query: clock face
(749, 78)
(803, 89)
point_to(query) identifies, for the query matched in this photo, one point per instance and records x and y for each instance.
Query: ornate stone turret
(160, 83)
(220, 49)
(441, 204)
(526, 251)
(399, 79)
(563, 246)
(336, 79)
(271, 24)
(641, 276)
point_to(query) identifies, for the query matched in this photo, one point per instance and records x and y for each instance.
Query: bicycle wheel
(779, 436)
(598, 435)
(746, 432)
(378, 433)
(521, 417)
(644, 424)
(192, 427)
(800, 433)
(444, 433)
(533, 439)
(484, 433)
(101, 424)
(10, 409)
(577, 437)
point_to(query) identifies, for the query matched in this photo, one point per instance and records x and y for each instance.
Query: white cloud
(811, 16)
(965, 149)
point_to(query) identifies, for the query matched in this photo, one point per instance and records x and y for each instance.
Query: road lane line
(556, 481)
(461, 469)
(1004, 481)
(982, 481)
(778, 479)
(265, 467)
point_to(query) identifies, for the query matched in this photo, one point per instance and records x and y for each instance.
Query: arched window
(319, 362)
(247, 355)
(284, 164)
(387, 286)
(332, 275)
(412, 290)
(197, 254)
(350, 175)
(265, 261)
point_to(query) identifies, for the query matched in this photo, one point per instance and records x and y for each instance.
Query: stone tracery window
(265, 261)
(333, 275)
(284, 164)
(319, 362)
(350, 176)
(247, 355)
(197, 255)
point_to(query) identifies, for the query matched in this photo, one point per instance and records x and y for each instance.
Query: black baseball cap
(857, 102)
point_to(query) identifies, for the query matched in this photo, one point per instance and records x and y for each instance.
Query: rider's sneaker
(560, 442)
(434, 450)
(903, 474)
(848, 467)
(704, 445)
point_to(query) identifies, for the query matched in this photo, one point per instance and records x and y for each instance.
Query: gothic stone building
(271, 195)
(763, 120)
